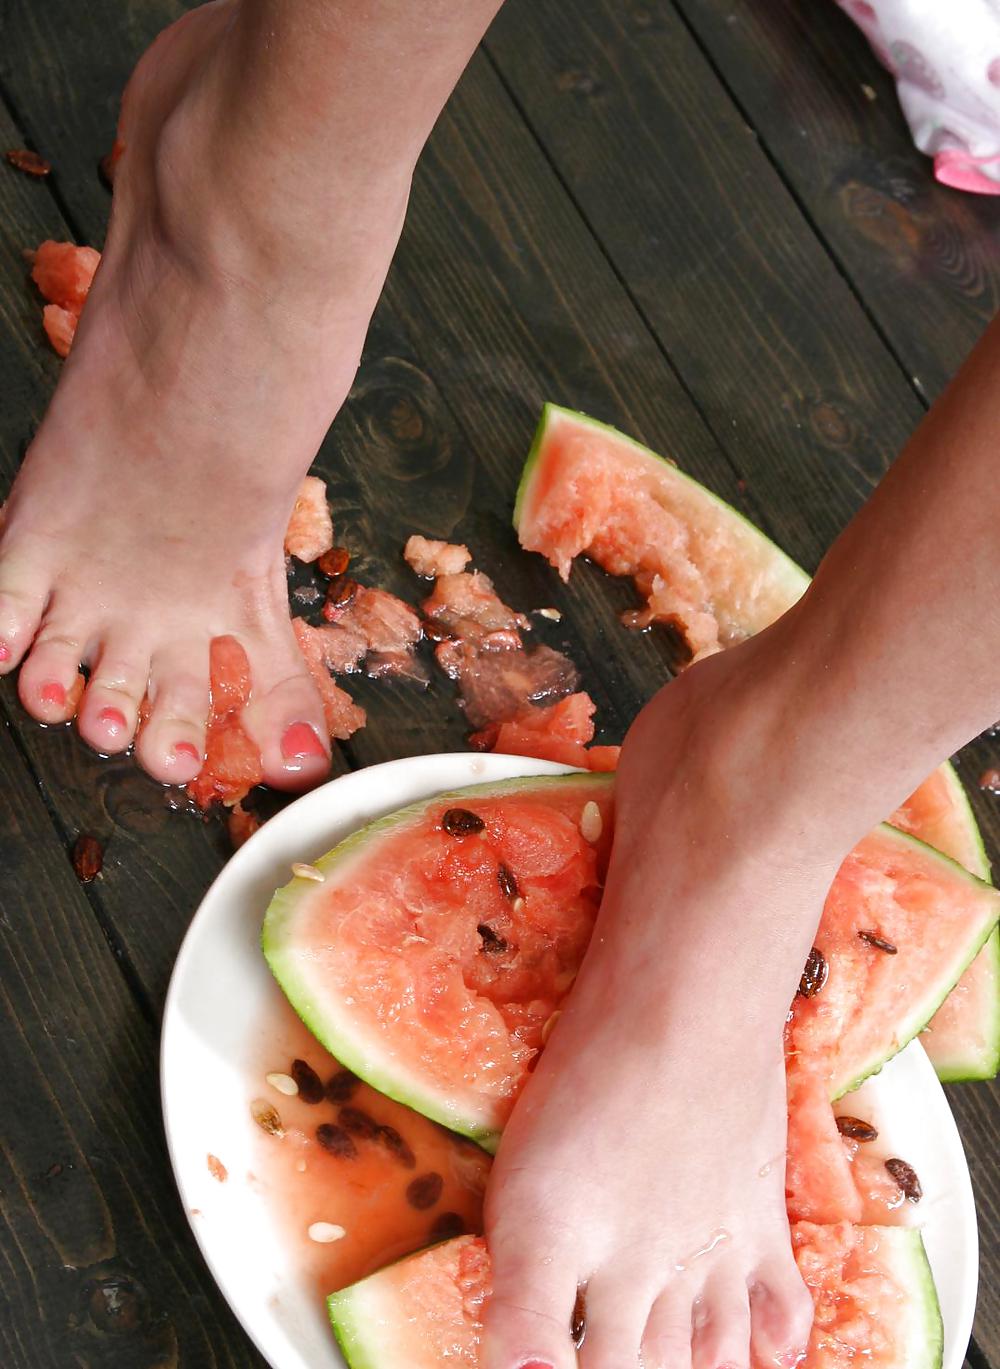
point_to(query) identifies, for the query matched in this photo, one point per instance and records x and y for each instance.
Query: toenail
(188, 751)
(113, 719)
(537, 1364)
(53, 694)
(4, 653)
(300, 742)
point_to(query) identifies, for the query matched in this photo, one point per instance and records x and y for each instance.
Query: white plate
(220, 993)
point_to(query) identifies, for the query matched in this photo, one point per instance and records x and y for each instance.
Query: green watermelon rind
(922, 1012)
(910, 1269)
(342, 1042)
(976, 1062)
(362, 1315)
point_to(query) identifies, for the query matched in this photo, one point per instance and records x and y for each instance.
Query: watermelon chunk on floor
(875, 1303)
(703, 569)
(63, 273)
(437, 948)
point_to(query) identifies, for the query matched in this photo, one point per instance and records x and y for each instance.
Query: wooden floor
(701, 220)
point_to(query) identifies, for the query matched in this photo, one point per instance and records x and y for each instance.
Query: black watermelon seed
(493, 942)
(309, 1082)
(340, 1086)
(906, 1176)
(358, 1123)
(507, 880)
(879, 942)
(424, 1191)
(447, 1226)
(578, 1322)
(814, 975)
(855, 1129)
(396, 1146)
(336, 1140)
(459, 822)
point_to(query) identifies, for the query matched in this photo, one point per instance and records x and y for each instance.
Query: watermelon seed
(553, 614)
(591, 823)
(578, 1321)
(334, 562)
(447, 1226)
(517, 905)
(814, 975)
(266, 1117)
(336, 1140)
(284, 1083)
(302, 871)
(879, 942)
(358, 1123)
(459, 822)
(855, 1129)
(326, 1232)
(309, 1084)
(341, 1085)
(906, 1177)
(424, 1191)
(507, 881)
(493, 942)
(396, 1146)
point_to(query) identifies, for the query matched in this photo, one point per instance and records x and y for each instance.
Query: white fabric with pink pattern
(945, 56)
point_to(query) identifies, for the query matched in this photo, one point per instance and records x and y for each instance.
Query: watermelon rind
(338, 1031)
(907, 1264)
(977, 1057)
(921, 1011)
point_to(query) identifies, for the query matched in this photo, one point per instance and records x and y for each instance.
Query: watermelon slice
(705, 570)
(443, 939)
(874, 1297)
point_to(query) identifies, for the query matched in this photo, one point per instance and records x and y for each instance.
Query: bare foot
(644, 1163)
(221, 335)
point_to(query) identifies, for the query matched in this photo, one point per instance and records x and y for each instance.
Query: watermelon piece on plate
(701, 567)
(443, 939)
(874, 1297)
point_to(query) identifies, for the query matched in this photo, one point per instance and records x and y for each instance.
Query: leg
(269, 150)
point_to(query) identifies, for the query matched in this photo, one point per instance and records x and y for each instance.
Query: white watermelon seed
(326, 1232)
(284, 1083)
(303, 871)
(591, 823)
(553, 614)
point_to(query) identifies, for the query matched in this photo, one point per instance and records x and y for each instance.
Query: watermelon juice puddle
(386, 1183)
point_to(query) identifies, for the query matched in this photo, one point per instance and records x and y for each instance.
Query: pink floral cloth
(945, 56)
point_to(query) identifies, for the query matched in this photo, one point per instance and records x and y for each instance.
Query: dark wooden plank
(925, 259)
(99, 1267)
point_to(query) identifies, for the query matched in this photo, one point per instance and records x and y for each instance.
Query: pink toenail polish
(53, 694)
(537, 1364)
(301, 742)
(187, 751)
(113, 719)
(4, 653)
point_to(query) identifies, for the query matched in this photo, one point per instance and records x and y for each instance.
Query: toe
(616, 1312)
(22, 602)
(50, 683)
(781, 1313)
(285, 716)
(722, 1325)
(110, 708)
(171, 743)
(666, 1343)
(528, 1316)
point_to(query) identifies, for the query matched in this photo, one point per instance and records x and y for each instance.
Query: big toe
(781, 1313)
(529, 1315)
(285, 716)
